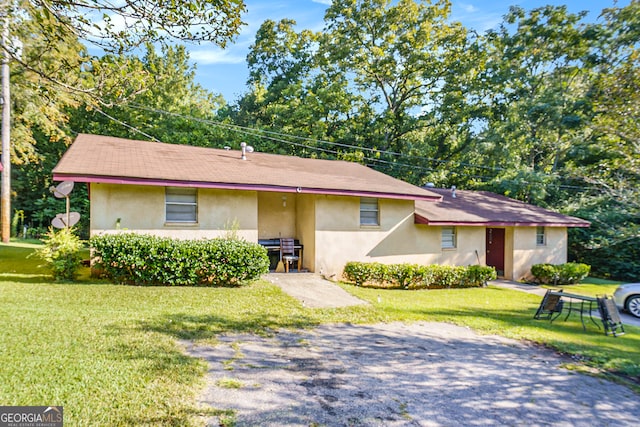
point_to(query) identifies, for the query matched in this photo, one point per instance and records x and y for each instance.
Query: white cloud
(482, 18)
(325, 2)
(469, 8)
(216, 56)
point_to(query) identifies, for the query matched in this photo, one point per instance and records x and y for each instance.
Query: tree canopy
(53, 70)
(544, 108)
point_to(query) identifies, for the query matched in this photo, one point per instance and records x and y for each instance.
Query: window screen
(448, 237)
(541, 239)
(181, 204)
(369, 211)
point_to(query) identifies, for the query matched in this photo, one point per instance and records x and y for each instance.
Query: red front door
(495, 249)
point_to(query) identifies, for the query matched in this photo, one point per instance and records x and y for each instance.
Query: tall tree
(538, 87)
(57, 26)
(174, 109)
(399, 55)
(608, 157)
(372, 78)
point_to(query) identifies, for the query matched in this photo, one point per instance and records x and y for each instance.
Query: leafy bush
(150, 260)
(561, 274)
(414, 276)
(481, 274)
(545, 273)
(573, 272)
(61, 251)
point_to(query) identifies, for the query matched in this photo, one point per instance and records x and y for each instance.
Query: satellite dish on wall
(60, 221)
(62, 190)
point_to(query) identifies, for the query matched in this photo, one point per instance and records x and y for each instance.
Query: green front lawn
(111, 355)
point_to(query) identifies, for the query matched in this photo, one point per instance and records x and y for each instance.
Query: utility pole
(5, 129)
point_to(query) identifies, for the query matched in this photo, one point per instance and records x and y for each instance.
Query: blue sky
(225, 71)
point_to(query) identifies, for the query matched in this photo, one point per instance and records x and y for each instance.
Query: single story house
(337, 211)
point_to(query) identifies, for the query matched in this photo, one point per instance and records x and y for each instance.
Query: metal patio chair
(288, 253)
(610, 316)
(551, 305)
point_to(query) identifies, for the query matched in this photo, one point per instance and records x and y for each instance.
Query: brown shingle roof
(478, 208)
(95, 158)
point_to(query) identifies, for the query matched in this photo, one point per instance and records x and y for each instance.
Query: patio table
(580, 304)
(273, 250)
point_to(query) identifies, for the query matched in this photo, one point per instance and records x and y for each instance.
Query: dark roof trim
(247, 187)
(424, 221)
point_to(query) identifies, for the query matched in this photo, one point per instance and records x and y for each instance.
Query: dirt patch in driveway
(396, 374)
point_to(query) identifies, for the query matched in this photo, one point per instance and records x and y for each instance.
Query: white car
(627, 297)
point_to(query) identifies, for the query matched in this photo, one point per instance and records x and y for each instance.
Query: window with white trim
(448, 237)
(541, 238)
(369, 211)
(181, 204)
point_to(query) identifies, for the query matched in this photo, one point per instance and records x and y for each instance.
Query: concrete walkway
(313, 291)
(523, 287)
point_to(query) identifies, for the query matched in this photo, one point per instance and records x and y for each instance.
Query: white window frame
(541, 236)
(369, 207)
(186, 197)
(449, 238)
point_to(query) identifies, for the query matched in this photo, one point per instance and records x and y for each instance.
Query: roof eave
(418, 219)
(237, 186)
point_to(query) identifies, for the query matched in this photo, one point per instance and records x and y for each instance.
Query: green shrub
(61, 251)
(403, 275)
(561, 274)
(414, 276)
(572, 272)
(545, 273)
(150, 260)
(479, 275)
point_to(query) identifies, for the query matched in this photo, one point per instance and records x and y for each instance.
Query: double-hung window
(448, 237)
(181, 204)
(369, 211)
(541, 238)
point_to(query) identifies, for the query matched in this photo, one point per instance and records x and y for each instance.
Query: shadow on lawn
(201, 327)
(25, 278)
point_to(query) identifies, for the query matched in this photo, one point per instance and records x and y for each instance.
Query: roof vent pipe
(453, 191)
(245, 149)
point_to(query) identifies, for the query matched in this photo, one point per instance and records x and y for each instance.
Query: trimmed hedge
(139, 259)
(414, 276)
(561, 274)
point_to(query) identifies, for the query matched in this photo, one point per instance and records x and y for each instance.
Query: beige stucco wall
(141, 209)
(340, 238)
(526, 252)
(276, 215)
(469, 240)
(305, 229)
(520, 249)
(328, 227)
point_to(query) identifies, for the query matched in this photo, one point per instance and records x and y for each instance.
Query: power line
(278, 137)
(240, 128)
(127, 125)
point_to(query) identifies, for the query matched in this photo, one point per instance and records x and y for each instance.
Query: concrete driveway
(396, 374)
